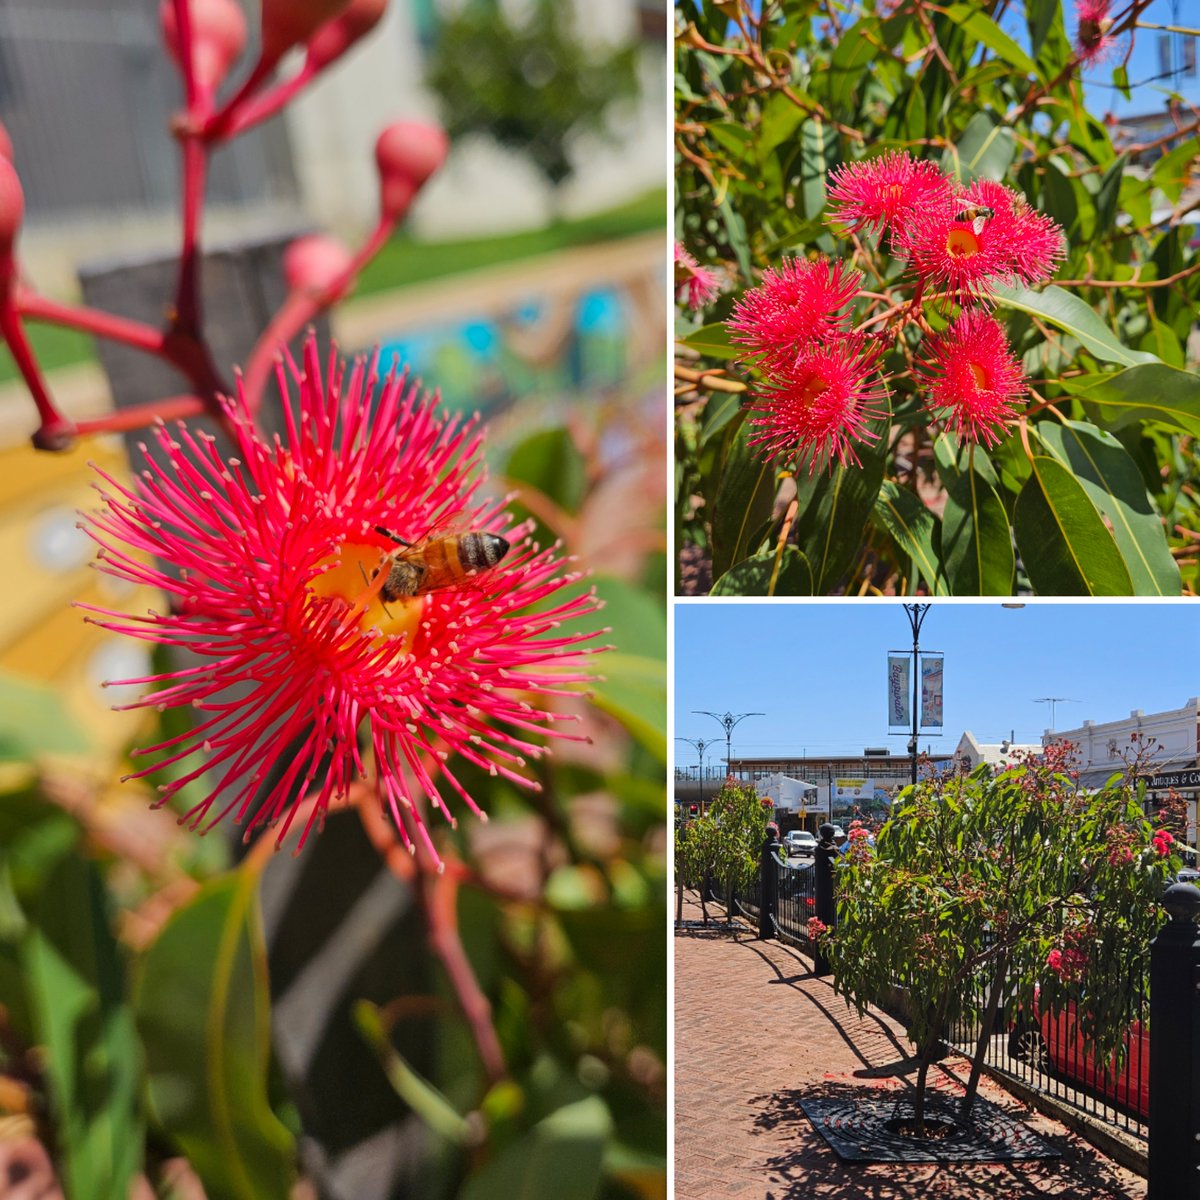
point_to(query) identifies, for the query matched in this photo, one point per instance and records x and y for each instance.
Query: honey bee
(435, 562)
(978, 215)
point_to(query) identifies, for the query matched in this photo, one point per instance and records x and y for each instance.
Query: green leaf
(93, 1064)
(34, 723)
(753, 576)
(634, 690)
(203, 1013)
(834, 510)
(745, 496)
(979, 26)
(712, 341)
(985, 150)
(561, 1156)
(819, 153)
(1154, 392)
(550, 461)
(1073, 316)
(976, 543)
(1111, 479)
(914, 529)
(854, 52)
(1171, 172)
(1066, 548)
(1109, 194)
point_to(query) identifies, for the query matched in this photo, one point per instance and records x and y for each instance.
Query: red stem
(300, 308)
(91, 320)
(55, 430)
(187, 291)
(171, 408)
(266, 104)
(219, 125)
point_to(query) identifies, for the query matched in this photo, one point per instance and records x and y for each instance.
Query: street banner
(899, 690)
(931, 691)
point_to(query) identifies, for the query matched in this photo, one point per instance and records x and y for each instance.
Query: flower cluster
(821, 389)
(1069, 961)
(816, 929)
(1162, 841)
(279, 567)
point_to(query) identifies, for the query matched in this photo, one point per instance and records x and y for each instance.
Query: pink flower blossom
(882, 192)
(271, 561)
(822, 404)
(1054, 960)
(816, 929)
(695, 286)
(978, 238)
(1163, 841)
(1092, 41)
(973, 377)
(797, 303)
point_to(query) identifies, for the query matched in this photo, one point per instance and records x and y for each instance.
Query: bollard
(824, 855)
(1175, 1050)
(768, 892)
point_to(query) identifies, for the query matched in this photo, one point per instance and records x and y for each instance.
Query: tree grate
(857, 1131)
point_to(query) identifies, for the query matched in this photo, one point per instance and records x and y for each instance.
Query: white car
(801, 841)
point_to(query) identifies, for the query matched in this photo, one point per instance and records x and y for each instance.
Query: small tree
(741, 821)
(696, 857)
(533, 87)
(1019, 879)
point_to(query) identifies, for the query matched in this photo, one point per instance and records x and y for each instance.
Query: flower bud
(335, 37)
(12, 210)
(407, 153)
(312, 263)
(218, 37)
(288, 23)
(6, 146)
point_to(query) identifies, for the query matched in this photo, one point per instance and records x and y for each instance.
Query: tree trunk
(985, 1033)
(927, 1051)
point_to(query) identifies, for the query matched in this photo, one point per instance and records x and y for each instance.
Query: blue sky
(818, 671)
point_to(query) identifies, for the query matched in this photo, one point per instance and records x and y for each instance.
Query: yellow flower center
(350, 575)
(980, 376)
(815, 387)
(961, 243)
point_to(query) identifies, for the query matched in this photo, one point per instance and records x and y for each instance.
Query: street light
(728, 722)
(916, 618)
(700, 745)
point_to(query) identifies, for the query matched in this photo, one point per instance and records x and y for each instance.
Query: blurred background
(528, 284)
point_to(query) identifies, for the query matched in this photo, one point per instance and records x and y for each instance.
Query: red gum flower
(974, 377)
(881, 192)
(695, 286)
(966, 258)
(1092, 43)
(796, 304)
(821, 404)
(265, 560)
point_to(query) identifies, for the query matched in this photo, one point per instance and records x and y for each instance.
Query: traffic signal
(693, 810)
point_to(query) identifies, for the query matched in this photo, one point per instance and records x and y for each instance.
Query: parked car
(1047, 1042)
(802, 842)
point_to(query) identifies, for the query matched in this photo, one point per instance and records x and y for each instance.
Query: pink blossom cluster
(816, 929)
(1162, 841)
(695, 286)
(822, 387)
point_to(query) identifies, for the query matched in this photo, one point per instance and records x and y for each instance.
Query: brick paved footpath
(755, 1032)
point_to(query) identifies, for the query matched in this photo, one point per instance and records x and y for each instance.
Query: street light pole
(728, 721)
(916, 618)
(700, 746)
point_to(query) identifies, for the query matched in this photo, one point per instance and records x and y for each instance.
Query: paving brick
(755, 1032)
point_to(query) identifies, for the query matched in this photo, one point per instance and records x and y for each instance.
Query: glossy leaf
(980, 26)
(744, 499)
(1070, 314)
(791, 574)
(976, 544)
(560, 1157)
(203, 1014)
(76, 991)
(712, 341)
(550, 461)
(1154, 392)
(1066, 548)
(985, 150)
(1113, 482)
(914, 529)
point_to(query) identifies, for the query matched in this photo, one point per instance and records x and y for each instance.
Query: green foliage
(995, 875)
(534, 87)
(1096, 493)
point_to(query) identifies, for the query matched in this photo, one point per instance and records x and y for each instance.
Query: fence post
(823, 858)
(1175, 1050)
(768, 891)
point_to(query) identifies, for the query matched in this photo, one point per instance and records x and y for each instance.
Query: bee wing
(978, 224)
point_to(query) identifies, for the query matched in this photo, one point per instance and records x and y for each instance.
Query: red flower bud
(407, 153)
(312, 263)
(6, 146)
(218, 37)
(288, 23)
(335, 37)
